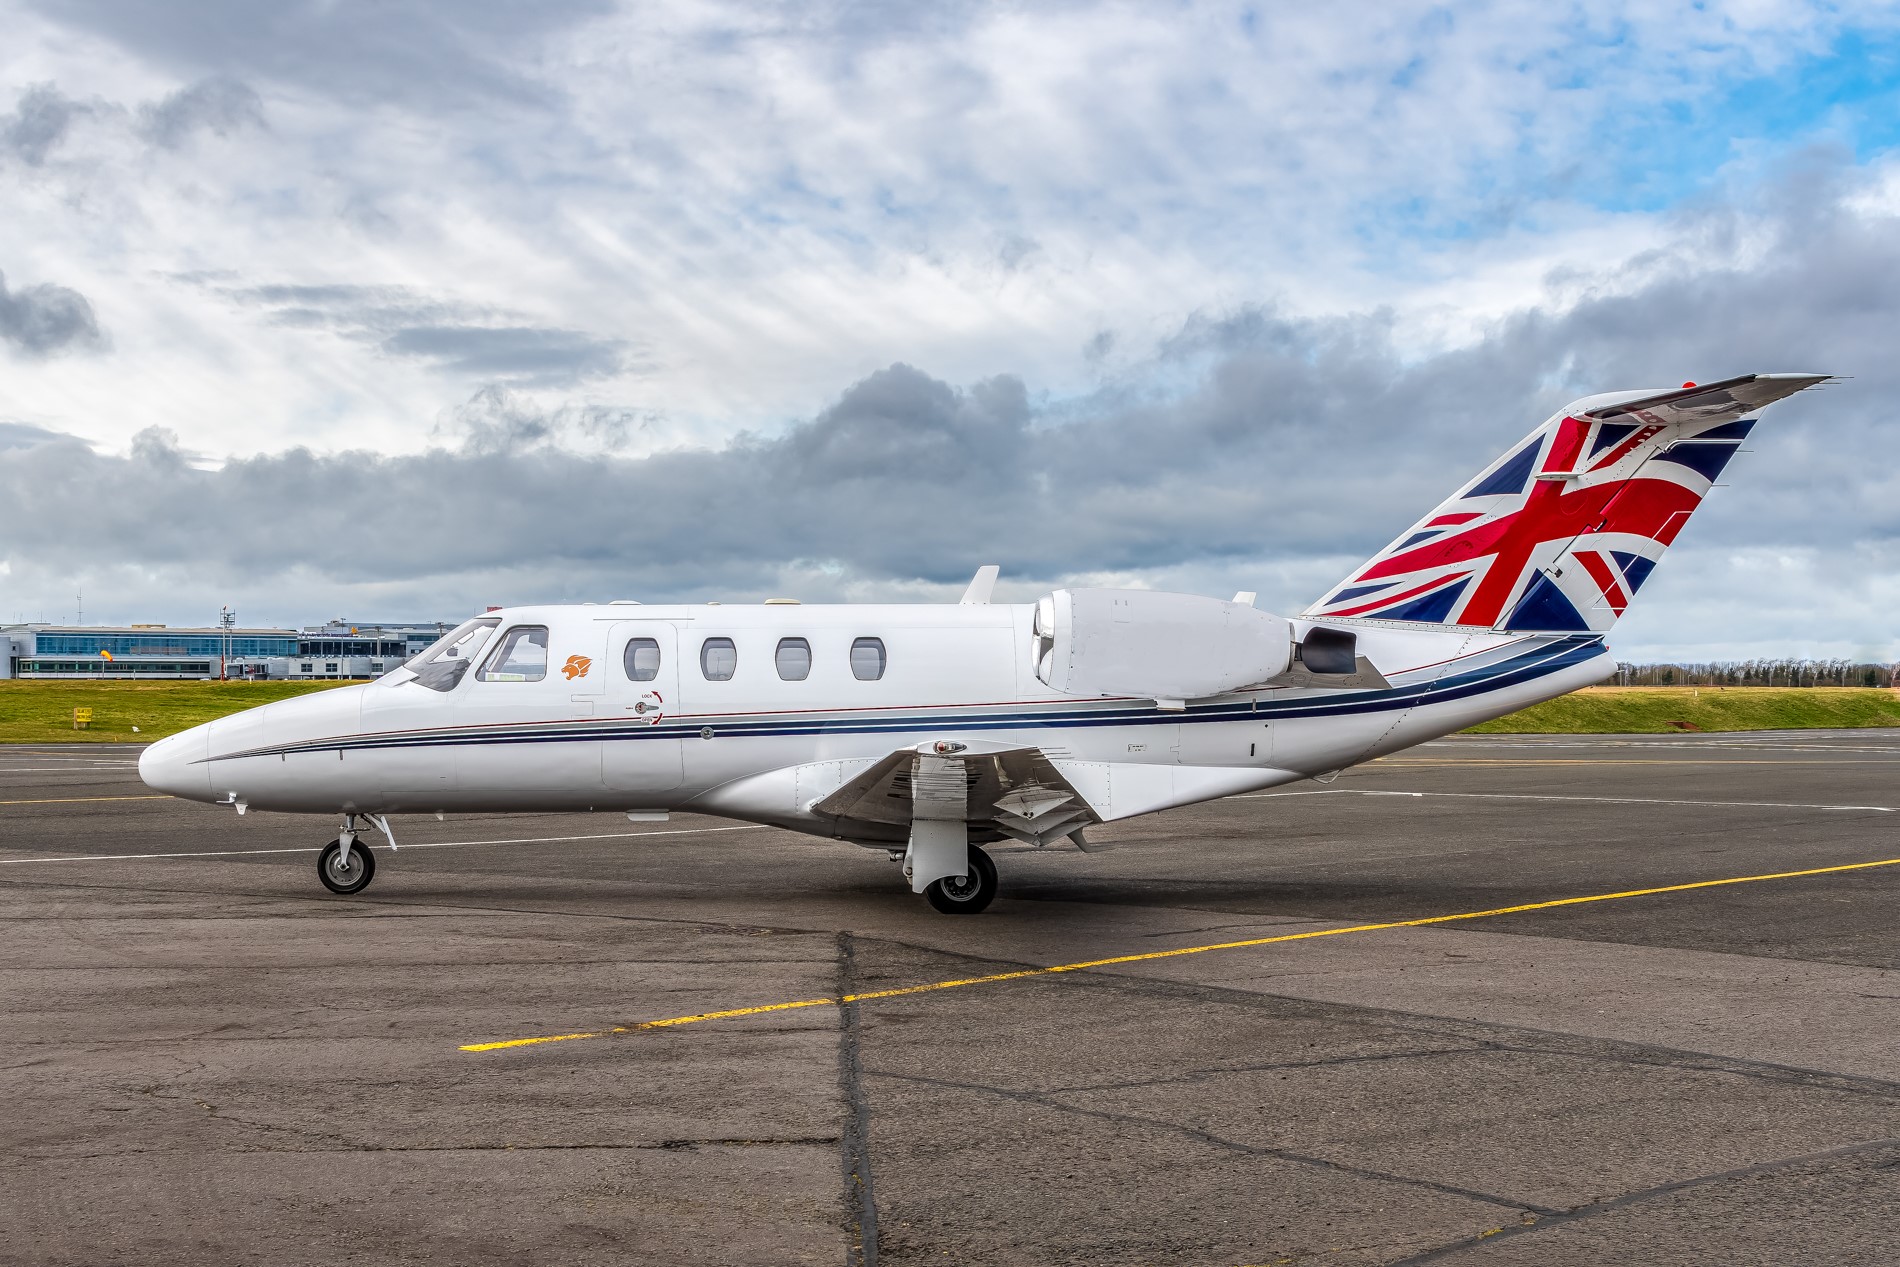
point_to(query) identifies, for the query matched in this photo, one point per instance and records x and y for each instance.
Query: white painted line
(1261, 796)
(61, 769)
(431, 844)
(1608, 800)
(99, 759)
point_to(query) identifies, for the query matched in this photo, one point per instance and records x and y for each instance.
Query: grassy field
(41, 711)
(1649, 710)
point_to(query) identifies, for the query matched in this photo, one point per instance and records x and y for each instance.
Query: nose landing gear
(346, 865)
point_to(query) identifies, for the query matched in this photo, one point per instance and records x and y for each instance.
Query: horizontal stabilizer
(1711, 402)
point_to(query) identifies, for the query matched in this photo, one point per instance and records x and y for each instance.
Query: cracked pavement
(212, 1060)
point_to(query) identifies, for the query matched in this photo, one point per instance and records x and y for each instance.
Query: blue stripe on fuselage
(1541, 661)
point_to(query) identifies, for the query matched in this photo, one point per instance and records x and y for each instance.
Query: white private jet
(931, 730)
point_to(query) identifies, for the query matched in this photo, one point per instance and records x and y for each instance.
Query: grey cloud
(39, 123)
(496, 420)
(44, 319)
(219, 106)
(452, 337)
(523, 353)
(420, 52)
(1256, 443)
(21, 435)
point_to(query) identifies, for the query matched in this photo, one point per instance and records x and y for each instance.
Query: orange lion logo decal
(576, 666)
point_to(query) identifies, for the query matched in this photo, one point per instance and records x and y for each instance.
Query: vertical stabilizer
(1560, 532)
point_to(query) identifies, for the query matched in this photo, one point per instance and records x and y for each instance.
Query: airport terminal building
(339, 650)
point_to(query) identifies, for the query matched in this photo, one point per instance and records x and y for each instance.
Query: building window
(867, 659)
(329, 668)
(522, 656)
(309, 668)
(642, 659)
(718, 659)
(793, 658)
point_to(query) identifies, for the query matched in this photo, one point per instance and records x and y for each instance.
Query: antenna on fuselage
(980, 587)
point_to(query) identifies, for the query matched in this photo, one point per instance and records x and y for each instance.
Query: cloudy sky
(397, 308)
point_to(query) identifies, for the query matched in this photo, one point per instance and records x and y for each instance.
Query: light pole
(226, 620)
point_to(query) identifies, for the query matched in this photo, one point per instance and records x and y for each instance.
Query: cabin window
(718, 659)
(522, 656)
(642, 659)
(794, 659)
(867, 659)
(441, 665)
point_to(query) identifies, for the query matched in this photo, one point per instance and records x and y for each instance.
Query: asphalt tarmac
(209, 1059)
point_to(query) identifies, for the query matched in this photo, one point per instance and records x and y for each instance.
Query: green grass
(40, 710)
(1649, 710)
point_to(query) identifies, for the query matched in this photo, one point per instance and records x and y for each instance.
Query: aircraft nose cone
(178, 766)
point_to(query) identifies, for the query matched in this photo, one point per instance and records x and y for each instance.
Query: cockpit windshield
(441, 666)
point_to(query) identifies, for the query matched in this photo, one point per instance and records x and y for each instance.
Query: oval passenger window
(794, 659)
(642, 659)
(867, 659)
(718, 659)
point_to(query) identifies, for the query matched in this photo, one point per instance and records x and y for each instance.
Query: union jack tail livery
(1559, 533)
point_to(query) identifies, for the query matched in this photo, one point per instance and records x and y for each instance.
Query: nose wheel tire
(968, 895)
(343, 873)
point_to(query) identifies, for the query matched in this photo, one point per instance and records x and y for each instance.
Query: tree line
(1783, 672)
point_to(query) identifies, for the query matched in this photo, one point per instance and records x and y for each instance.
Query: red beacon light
(1688, 384)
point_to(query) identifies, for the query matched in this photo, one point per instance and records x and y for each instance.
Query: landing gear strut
(346, 865)
(965, 895)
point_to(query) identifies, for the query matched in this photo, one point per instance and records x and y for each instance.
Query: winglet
(978, 593)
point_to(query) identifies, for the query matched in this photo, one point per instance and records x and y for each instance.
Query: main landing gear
(968, 894)
(346, 865)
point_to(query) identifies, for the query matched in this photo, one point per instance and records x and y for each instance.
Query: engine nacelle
(1155, 646)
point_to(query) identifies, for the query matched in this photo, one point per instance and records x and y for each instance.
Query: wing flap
(1013, 792)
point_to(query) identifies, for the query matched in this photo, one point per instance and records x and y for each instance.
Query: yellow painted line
(82, 800)
(1022, 973)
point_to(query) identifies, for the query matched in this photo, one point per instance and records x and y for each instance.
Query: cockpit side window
(522, 656)
(442, 665)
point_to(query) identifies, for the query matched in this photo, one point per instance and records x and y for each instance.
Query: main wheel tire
(969, 895)
(346, 876)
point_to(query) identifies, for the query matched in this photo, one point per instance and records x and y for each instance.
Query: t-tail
(1559, 533)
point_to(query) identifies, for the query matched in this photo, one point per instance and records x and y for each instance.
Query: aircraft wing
(1712, 402)
(1017, 792)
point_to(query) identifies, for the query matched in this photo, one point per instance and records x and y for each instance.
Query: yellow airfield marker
(1022, 973)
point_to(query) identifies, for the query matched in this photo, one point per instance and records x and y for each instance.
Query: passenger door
(639, 754)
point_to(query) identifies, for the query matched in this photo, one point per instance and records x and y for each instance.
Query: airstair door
(641, 753)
